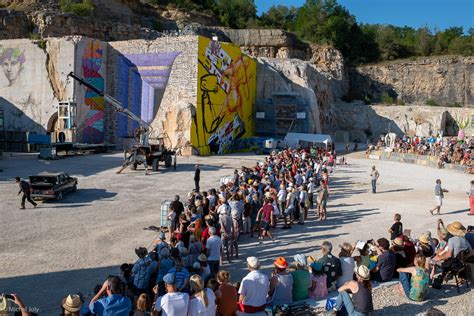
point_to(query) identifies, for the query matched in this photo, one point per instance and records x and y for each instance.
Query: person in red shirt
(266, 215)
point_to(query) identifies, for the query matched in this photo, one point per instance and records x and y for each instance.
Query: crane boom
(145, 128)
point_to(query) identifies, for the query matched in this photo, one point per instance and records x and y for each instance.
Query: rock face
(14, 24)
(316, 87)
(363, 121)
(444, 80)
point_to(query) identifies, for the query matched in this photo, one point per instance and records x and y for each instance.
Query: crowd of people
(183, 274)
(450, 150)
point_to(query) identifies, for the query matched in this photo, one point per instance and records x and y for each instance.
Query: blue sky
(415, 13)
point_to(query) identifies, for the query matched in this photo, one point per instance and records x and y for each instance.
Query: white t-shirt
(173, 304)
(213, 245)
(282, 195)
(254, 288)
(197, 308)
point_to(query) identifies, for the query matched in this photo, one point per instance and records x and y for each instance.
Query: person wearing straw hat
(456, 244)
(361, 302)
(71, 305)
(5, 305)
(114, 303)
(281, 284)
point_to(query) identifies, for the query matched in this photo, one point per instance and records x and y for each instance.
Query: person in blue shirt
(140, 271)
(115, 304)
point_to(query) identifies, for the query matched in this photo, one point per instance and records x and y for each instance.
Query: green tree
(279, 16)
(235, 13)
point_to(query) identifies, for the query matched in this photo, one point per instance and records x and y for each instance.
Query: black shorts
(266, 226)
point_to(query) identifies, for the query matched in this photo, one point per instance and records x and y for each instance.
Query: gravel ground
(72, 245)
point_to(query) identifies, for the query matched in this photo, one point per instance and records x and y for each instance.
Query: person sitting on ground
(173, 303)
(318, 286)
(400, 257)
(347, 264)
(226, 295)
(361, 302)
(385, 267)
(331, 265)
(114, 303)
(203, 300)
(301, 279)
(363, 258)
(143, 305)
(253, 289)
(281, 284)
(396, 230)
(424, 246)
(416, 287)
(71, 305)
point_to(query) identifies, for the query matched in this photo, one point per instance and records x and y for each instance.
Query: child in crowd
(226, 295)
(318, 289)
(397, 228)
(416, 286)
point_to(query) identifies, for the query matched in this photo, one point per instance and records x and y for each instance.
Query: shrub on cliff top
(83, 8)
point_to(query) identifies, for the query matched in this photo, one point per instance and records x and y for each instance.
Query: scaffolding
(283, 113)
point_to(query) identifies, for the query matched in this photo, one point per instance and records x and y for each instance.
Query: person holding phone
(15, 299)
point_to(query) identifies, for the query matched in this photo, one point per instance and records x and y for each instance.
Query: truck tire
(168, 161)
(59, 196)
(155, 164)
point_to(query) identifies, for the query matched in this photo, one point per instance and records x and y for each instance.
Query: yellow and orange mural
(225, 98)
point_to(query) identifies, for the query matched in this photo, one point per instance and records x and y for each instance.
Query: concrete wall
(157, 80)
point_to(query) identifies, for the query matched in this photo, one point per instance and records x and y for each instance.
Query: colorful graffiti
(226, 96)
(11, 61)
(93, 129)
(142, 80)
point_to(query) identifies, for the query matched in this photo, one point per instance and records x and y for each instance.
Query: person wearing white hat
(361, 302)
(253, 288)
(5, 305)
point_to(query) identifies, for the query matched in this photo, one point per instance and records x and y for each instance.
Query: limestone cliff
(444, 80)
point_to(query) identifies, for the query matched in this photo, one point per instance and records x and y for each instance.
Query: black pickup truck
(52, 185)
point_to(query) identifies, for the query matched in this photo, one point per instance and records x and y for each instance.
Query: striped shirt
(181, 276)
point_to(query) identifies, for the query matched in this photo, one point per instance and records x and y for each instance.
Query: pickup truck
(52, 185)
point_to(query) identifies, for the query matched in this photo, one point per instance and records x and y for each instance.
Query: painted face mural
(226, 96)
(11, 61)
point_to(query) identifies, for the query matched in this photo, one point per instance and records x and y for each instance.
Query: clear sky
(415, 13)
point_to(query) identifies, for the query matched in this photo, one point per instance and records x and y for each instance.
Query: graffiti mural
(93, 125)
(11, 61)
(142, 80)
(226, 96)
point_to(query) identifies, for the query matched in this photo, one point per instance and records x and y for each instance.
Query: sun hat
(398, 242)
(300, 259)
(281, 263)
(169, 278)
(362, 272)
(316, 265)
(456, 229)
(253, 262)
(424, 239)
(4, 305)
(72, 303)
(202, 257)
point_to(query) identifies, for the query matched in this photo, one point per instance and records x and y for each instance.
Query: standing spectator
(266, 213)
(439, 195)
(25, 187)
(416, 287)
(143, 305)
(181, 275)
(385, 268)
(331, 265)
(173, 303)
(361, 303)
(374, 175)
(253, 288)
(197, 177)
(311, 190)
(397, 228)
(165, 264)
(114, 303)
(226, 295)
(214, 251)
(323, 196)
(471, 198)
(281, 284)
(203, 300)
(177, 206)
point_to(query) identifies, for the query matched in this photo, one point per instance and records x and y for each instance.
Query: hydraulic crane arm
(145, 127)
